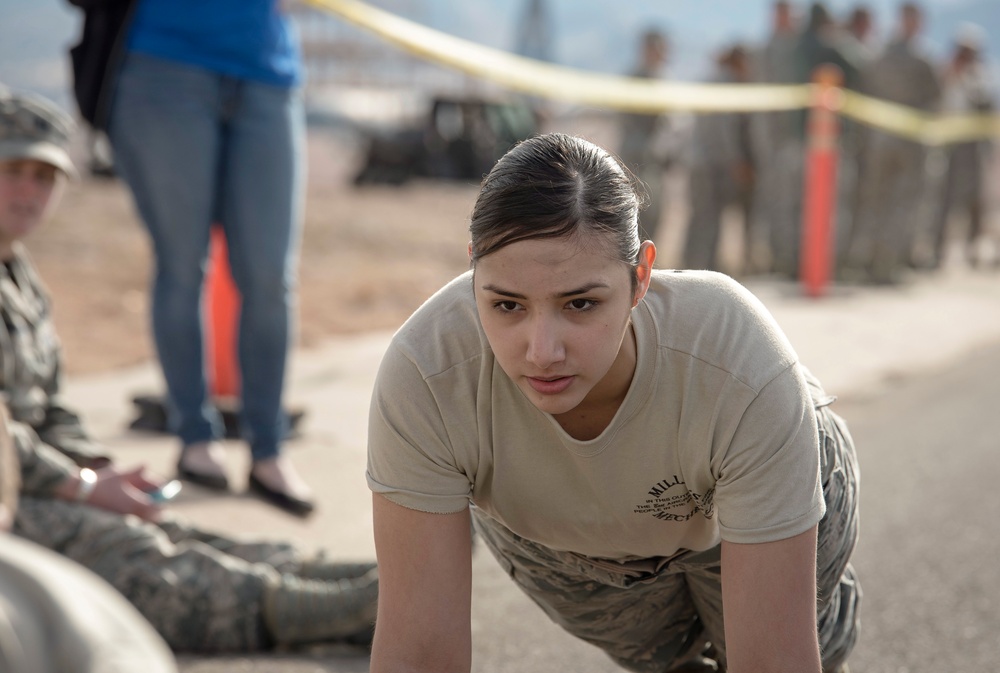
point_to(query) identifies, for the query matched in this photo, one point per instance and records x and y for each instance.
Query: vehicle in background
(460, 139)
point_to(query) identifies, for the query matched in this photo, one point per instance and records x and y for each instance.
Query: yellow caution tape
(634, 94)
(916, 125)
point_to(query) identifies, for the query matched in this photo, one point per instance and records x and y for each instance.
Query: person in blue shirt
(207, 126)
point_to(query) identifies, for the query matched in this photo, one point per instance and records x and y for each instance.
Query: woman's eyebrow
(505, 293)
(584, 289)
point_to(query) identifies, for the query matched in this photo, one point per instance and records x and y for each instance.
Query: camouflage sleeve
(31, 364)
(63, 428)
(43, 468)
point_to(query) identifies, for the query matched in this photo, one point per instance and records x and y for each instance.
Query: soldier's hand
(125, 492)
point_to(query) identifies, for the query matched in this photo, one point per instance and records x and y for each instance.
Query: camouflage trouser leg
(651, 217)
(838, 616)
(897, 209)
(643, 615)
(783, 207)
(710, 189)
(282, 556)
(653, 615)
(197, 597)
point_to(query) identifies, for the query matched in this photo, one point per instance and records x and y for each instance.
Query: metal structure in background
(535, 32)
(338, 55)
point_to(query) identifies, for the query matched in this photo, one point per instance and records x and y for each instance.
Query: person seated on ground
(201, 591)
(58, 617)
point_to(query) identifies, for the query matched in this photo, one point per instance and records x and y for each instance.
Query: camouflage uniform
(30, 363)
(967, 163)
(719, 149)
(820, 45)
(853, 138)
(201, 591)
(777, 147)
(640, 148)
(892, 208)
(654, 615)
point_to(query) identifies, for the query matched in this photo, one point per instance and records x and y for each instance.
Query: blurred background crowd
(899, 204)
(727, 181)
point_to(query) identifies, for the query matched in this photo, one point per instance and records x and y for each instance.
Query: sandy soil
(369, 257)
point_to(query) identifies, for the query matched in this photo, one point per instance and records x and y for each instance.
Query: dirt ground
(369, 257)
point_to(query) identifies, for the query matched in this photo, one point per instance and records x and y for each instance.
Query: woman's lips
(548, 386)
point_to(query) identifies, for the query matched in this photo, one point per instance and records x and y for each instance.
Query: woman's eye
(582, 304)
(505, 306)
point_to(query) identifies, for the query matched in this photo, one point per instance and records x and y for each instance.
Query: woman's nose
(545, 345)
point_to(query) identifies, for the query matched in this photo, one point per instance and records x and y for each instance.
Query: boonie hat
(32, 127)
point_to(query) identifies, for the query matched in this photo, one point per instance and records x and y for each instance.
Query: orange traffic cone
(222, 308)
(820, 194)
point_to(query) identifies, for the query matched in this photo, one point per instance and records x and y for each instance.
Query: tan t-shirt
(716, 438)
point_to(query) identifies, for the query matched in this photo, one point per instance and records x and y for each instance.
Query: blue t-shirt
(247, 39)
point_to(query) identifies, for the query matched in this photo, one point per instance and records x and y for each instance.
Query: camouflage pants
(202, 592)
(777, 205)
(651, 217)
(711, 188)
(655, 614)
(893, 207)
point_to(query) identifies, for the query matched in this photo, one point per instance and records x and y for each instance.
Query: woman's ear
(470, 251)
(644, 270)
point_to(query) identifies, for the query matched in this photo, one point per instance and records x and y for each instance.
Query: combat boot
(298, 611)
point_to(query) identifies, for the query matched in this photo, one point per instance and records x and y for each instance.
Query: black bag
(97, 56)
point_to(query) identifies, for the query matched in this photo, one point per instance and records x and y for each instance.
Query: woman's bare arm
(769, 599)
(425, 591)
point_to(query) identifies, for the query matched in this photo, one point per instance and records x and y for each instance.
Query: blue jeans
(196, 147)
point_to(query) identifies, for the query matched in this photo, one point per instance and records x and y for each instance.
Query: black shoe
(289, 503)
(216, 482)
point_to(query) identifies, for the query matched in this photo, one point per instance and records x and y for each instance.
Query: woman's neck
(594, 414)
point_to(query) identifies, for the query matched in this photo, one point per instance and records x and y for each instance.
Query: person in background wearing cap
(966, 90)
(720, 171)
(207, 126)
(645, 140)
(34, 167)
(777, 148)
(893, 196)
(200, 590)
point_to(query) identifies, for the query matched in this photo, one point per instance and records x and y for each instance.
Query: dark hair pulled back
(554, 185)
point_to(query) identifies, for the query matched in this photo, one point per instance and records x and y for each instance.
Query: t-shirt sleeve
(410, 458)
(769, 485)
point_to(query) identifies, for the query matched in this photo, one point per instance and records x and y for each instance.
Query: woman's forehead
(580, 239)
(549, 264)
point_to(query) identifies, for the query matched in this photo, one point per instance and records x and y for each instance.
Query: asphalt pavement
(856, 339)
